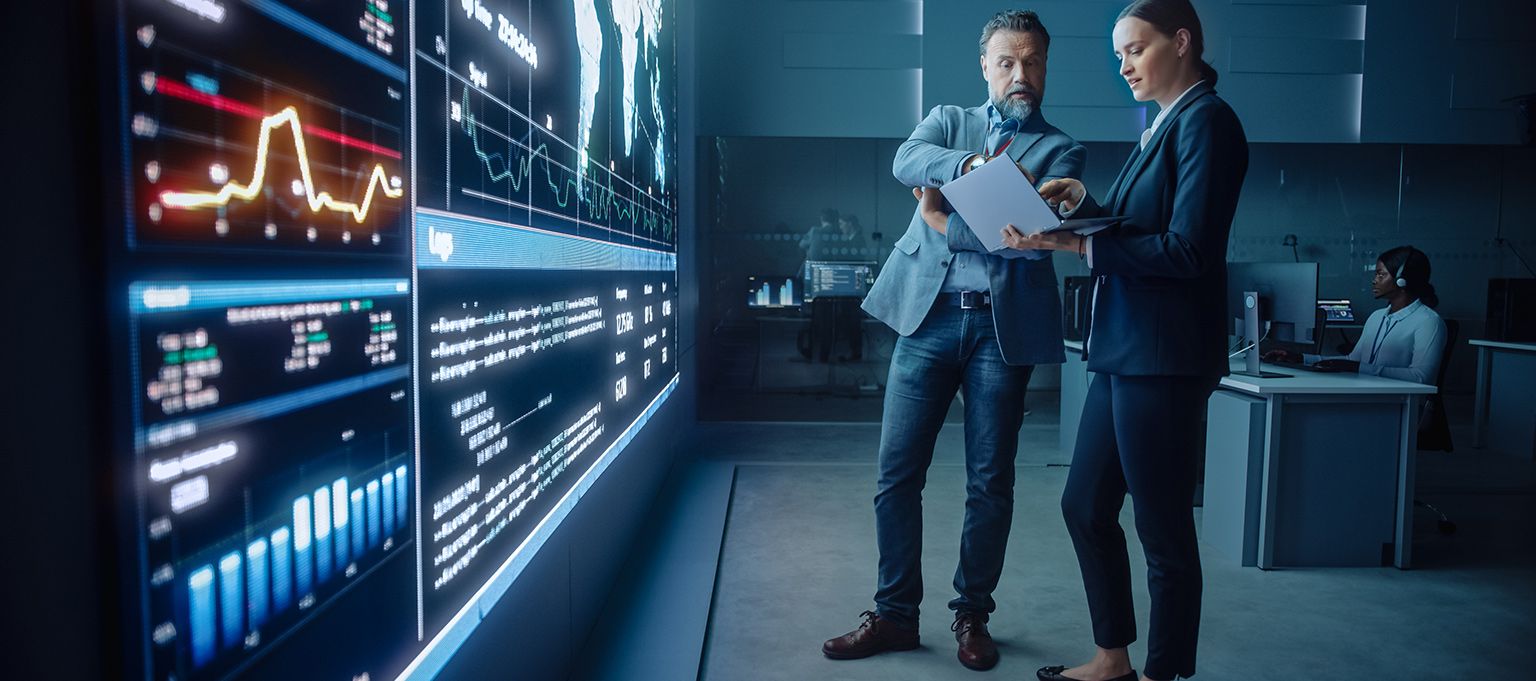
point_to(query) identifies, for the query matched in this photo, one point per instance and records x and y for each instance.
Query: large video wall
(397, 282)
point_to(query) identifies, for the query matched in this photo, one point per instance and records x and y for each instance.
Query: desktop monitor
(1338, 311)
(1287, 297)
(1512, 310)
(838, 279)
(770, 292)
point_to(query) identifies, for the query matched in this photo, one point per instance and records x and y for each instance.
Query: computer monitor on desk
(1283, 307)
(769, 292)
(1338, 311)
(825, 279)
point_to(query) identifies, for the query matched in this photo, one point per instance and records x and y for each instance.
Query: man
(814, 241)
(850, 243)
(967, 319)
(839, 237)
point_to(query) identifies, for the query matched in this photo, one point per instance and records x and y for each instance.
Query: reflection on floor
(798, 565)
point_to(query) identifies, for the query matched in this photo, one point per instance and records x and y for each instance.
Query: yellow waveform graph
(377, 182)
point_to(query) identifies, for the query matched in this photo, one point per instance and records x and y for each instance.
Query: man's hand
(931, 206)
(1063, 194)
(1054, 241)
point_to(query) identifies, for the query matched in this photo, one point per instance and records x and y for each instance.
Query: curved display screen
(394, 283)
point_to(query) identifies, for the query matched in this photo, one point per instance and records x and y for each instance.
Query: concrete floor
(798, 566)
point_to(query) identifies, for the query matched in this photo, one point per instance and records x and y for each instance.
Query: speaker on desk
(1076, 307)
(1511, 310)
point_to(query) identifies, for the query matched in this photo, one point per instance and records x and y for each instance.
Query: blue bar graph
(357, 525)
(401, 484)
(200, 619)
(282, 569)
(256, 582)
(231, 600)
(389, 503)
(339, 519)
(373, 513)
(303, 566)
(250, 586)
(323, 551)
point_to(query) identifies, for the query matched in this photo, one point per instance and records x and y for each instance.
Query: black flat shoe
(1054, 674)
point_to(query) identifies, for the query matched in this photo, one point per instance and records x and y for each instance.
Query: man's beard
(1018, 109)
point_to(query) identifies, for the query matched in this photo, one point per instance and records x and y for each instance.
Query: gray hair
(1018, 21)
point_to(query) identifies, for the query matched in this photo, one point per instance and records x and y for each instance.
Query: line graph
(289, 116)
(599, 199)
(224, 156)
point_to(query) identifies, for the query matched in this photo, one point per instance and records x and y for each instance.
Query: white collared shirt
(1149, 133)
(1405, 345)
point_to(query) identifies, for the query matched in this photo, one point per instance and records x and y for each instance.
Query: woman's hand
(1281, 356)
(931, 205)
(1063, 194)
(1054, 241)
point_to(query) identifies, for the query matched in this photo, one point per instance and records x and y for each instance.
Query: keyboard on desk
(1303, 366)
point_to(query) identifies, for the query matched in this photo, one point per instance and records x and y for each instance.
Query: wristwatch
(976, 162)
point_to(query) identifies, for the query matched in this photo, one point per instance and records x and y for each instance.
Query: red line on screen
(182, 91)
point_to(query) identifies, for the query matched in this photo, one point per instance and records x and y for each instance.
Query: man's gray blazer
(1026, 307)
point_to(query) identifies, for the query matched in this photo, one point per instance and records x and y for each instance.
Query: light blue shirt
(968, 272)
(1405, 345)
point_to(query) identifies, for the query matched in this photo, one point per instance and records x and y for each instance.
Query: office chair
(1434, 426)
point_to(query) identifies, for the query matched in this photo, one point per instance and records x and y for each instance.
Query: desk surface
(1309, 382)
(1501, 345)
(1316, 383)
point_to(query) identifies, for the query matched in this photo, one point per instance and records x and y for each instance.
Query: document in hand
(998, 194)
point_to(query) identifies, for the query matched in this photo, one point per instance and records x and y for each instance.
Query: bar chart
(331, 532)
(773, 293)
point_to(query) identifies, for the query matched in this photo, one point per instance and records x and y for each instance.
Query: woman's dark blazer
(1161, 306)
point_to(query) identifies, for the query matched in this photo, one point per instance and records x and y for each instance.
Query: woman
(1157, 342)
(1405, 339)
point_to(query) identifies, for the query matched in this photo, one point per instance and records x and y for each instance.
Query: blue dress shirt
(969, 270)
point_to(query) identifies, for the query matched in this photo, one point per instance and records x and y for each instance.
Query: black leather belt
(966, 300)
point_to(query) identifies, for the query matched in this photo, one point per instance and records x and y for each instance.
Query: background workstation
(728, 529)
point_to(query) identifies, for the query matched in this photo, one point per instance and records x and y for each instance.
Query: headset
(1400, 281)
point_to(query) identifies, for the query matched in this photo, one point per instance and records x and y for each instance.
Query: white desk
(1314, 469)
(1506, 402)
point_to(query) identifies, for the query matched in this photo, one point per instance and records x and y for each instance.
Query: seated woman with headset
(1403, 340)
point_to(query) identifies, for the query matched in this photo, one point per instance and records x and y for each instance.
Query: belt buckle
(973, 300)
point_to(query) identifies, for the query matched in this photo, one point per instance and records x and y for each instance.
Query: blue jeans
(952, 349)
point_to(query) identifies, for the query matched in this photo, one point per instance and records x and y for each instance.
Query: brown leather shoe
(977, 651)
(873, 636)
